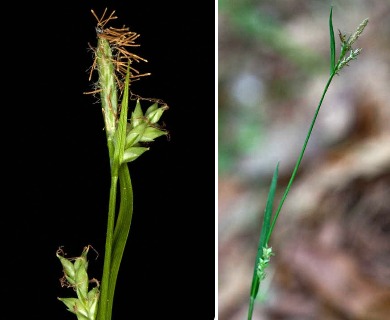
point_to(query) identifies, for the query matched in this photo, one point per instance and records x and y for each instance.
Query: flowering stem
(294, 173)
(346, 45)
(122, 229)
(103, 312)
(126, 142)
(264, 252)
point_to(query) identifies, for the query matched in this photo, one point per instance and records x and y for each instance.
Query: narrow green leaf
(268, 209)
(108, 287)
(122, 228)
(332, 43)
(122, 125)
(263, 237)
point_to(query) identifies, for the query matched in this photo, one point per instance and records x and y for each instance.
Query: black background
(57, 161)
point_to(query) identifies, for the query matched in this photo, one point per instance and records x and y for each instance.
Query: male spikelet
(113, 61)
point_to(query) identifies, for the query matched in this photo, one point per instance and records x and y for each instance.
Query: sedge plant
(264, 251)
(129, 135)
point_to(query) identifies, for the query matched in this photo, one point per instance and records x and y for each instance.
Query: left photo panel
(111, 172)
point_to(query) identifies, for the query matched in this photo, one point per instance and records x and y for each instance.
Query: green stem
(115, 242)
(122, 229)
(294, 173)
(103, 310)
(266, 233)
(251, 307)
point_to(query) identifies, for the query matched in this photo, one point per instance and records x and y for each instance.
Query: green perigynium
(76, 277)
(142, 129)
(264, 262)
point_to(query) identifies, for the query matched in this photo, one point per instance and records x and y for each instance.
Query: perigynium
(128, 137)
(76, 277)
(264, 251)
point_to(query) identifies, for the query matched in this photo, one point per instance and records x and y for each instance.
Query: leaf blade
(264, 235)
(332, 43)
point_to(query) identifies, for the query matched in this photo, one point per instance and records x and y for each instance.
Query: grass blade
(265, 229)
(122, 229)
(332, 43)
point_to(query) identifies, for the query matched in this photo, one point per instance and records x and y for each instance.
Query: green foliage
(126, 139)
(264, 251)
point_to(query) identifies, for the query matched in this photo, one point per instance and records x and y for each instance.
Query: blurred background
(332, 238)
